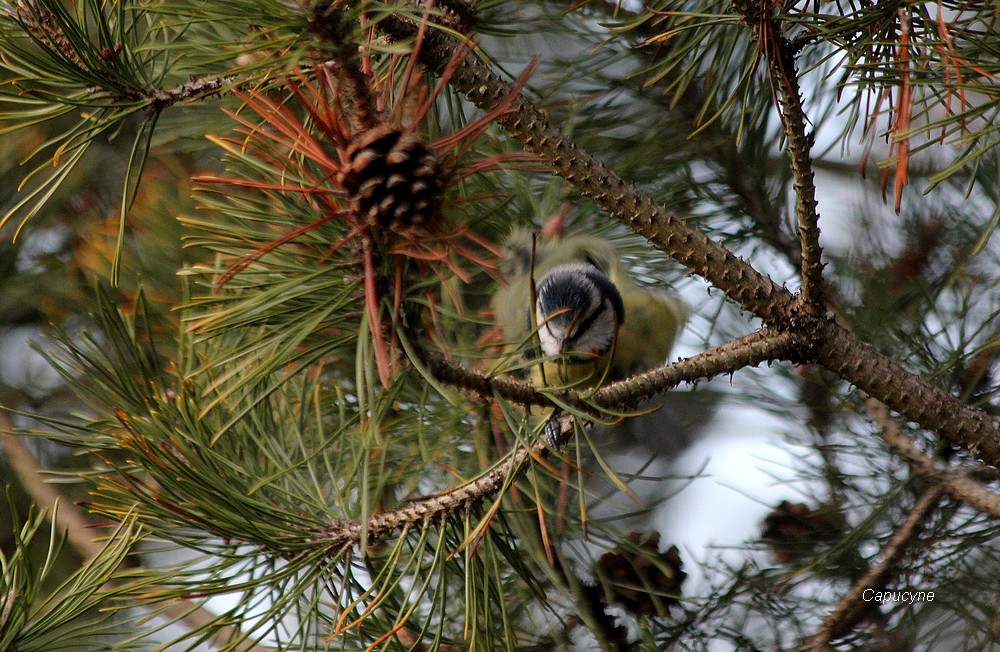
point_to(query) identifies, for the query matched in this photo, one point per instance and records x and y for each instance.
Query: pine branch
(720, 146)
(762, 346)
(830, 345)
(345, 533)
(853, 607)
(958, 486)
(906, 393)
(161, 98)
(42, 24)
(327, 21)
(765, 345)
(751, 350)
(778, 53)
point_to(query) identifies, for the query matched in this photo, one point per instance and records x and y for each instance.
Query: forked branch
(825, 343)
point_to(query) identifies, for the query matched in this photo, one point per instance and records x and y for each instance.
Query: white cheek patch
(551, 335)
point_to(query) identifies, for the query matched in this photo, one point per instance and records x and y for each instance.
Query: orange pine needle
(372, 304)
(254, 256)
(904, 107)
(543, 532)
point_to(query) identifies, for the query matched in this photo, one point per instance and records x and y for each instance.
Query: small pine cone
(392, 179)
(794, 529)
(644, 581)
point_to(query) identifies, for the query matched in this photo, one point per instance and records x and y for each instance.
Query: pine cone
(794, 529)
(392, 179)
(643, 581)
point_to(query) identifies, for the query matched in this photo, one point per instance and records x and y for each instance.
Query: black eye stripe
(602, 285)
(585, 325)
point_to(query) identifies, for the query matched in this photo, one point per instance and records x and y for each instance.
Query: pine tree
(267, 233)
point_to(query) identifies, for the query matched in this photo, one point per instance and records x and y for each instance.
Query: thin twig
(960, 487)
(68, 517)
(750, 350)
(161, 98)
(43, 26)
(343, 533)
(853, 606)
(764, 345)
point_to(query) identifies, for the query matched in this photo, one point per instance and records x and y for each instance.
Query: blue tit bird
(578, 311)
(589, 312)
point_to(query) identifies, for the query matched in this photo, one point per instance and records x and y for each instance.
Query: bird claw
(553, 432)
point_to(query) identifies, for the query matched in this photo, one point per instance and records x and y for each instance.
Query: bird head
(578, 310)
